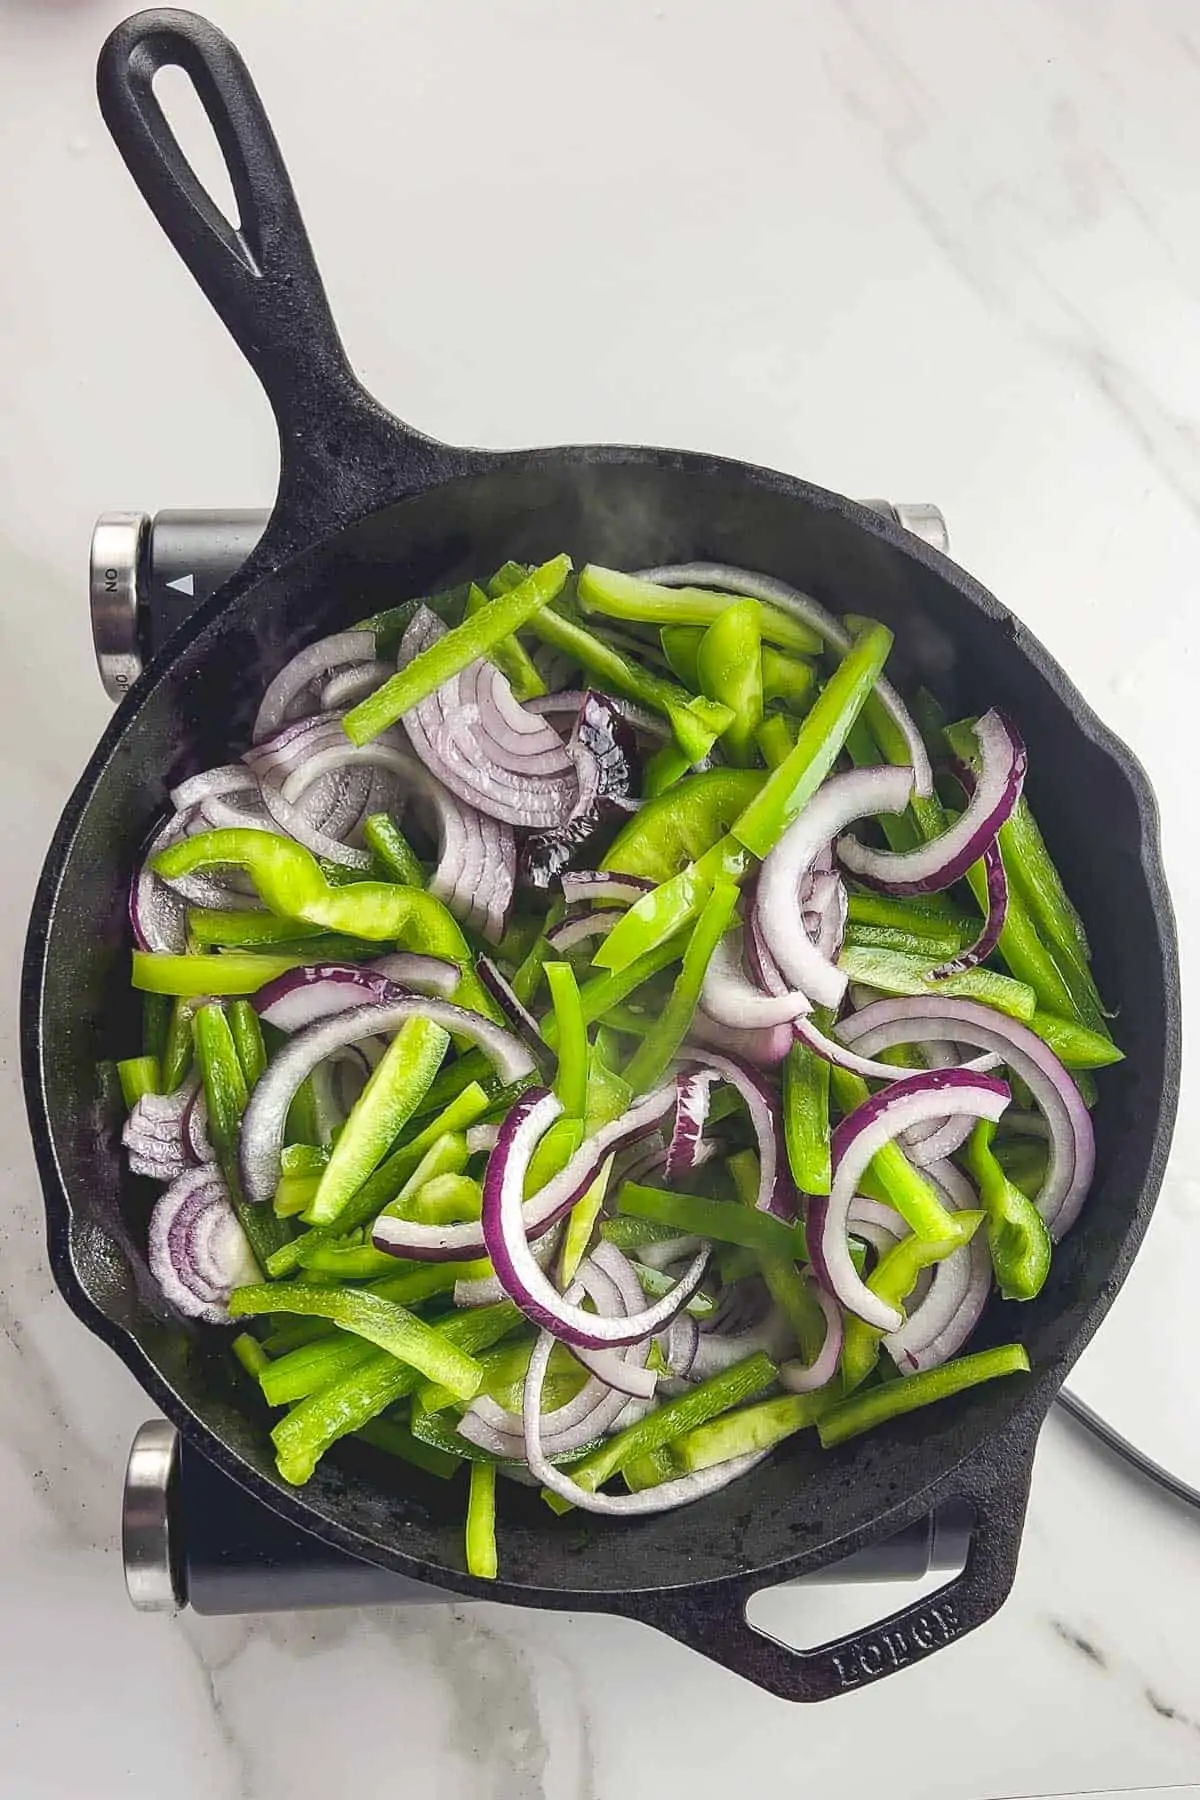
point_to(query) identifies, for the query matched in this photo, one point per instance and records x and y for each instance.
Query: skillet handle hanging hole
(715, 1621)
(342, 454)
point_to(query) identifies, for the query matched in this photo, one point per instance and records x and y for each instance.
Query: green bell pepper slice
(290, 881)
(225, 1097)
(1016, 1232)
(806, 1118)
(681, 644)
(197, 977)
(730, 670)
(392, 851)
(787, 679)
(893, 1279)
(669, 833)
(481, 1522)
(776, 739)
(384, 1323)
(895, 973)
(874, 1406)
(396, 1084)
(571, 1042)
(248, 1041)
(139, 1075)
(463, 644)
(750, 1428)
(761, 823)
(691, 1215)
(620, 596)
(509, 654)
(659, 1047)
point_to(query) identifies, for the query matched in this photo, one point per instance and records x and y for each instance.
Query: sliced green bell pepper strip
(581, 1224)
(890, 1176)
(620, 596)
(893, 1280)
(392, 851)
(750, 1428)
(139, 1075)
(289, 880)
(250, 1354)
(294, 1194)
(628, 1233)
(504, 1370)
(691, 1215)
(193, 977)
(214, 929)
(649, 1470)
(303, 1437)
(1016, 1232)
(247, 1040)
(157, 1012)
(776, 739)
(1025, 1162)
(570, 1037)
(314, 1364)
(789, 788)
(398, 1081)
(696, 722)
(667, 834)
(874, 1406)
(180, 1050)
(225, 1097)
(509, 654)
(481, 1522)
(930, 916)
(659, 1047)
(384, 1323)
(463, 644)
(667, 1422)
(680, 645)
(664, 770)
(924, 946)
(447, 1199)
(395, 1439)
(895, 973)
(388, 1180)
(765, 818)
(789, 1291)
(806, 1118)
(303, 1159)
(787, 679)
(1076, 1046)
(730, 670)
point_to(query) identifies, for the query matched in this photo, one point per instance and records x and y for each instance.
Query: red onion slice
(803, 1378)
(946, 859)
(304, 669)
(875, 1223)
(229, 778)
(942, 1320)
(693, 1089)
(993, 925)
(264, 1118)
(776, 1190)
(157, 912)
(731, 998)
(439, 1243)
(570, 932)
(764, 1047)
(475, 737)
(600, 884)
(198, 1253)
(858, 793)
(569, 701)
(350, 685)
(798, 605)
(301, 996)
(504, 1233)
(662, 1498)
(1072, 1141)
(856, 1140)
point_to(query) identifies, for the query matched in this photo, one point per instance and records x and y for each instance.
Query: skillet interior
(626, 508)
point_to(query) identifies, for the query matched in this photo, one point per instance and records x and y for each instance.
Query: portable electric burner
(190, 1535)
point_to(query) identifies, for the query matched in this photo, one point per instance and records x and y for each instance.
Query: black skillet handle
(714, 1620)
(341, 453)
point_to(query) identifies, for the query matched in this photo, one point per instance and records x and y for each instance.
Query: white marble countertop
(910, 247)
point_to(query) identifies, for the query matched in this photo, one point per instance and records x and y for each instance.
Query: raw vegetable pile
(544, 1059)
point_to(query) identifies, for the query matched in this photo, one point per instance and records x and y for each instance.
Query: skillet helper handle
(341, 453)
(714, 1621)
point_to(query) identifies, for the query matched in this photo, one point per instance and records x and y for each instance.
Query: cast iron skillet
(370, 511)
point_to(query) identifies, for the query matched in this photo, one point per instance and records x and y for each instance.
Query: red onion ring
(504, 1235)
(776, 1190)
(198, 1253)
(570, 932)
(946, 859)
(601, 884)
(764, 1047)
(266, 1113)
(301, 997)
(802, 1378)
(731, 998)
(474, 736)
(839, 800)
(440, 1243)
(856, 1140)
(1072, 1140)
(305, 668)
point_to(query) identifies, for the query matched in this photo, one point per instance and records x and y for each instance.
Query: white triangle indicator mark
(184, 584)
